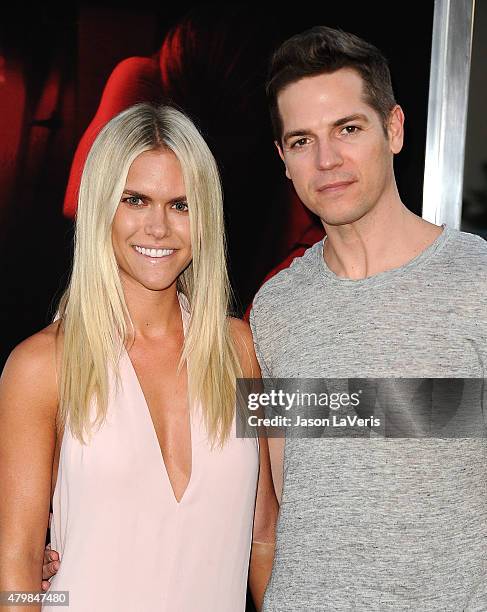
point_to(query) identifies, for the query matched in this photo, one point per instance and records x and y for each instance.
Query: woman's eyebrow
(147, 198)
(137, 194)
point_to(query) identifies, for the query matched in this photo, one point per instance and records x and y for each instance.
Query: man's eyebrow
(294, 133)
(337, 123)
(348, 118)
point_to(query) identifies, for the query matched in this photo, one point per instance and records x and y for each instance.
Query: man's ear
(281, 155)
(395, 129)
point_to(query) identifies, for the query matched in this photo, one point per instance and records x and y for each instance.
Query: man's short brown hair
(322, 50)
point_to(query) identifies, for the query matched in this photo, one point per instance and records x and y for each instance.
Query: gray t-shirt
(380, 524)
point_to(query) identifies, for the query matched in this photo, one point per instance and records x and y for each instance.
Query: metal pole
(447, 111)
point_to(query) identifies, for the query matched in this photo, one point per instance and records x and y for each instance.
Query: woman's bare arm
(266, 507)
(28, 405)
(276, 452)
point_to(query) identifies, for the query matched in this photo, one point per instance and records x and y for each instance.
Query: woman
(123, 409)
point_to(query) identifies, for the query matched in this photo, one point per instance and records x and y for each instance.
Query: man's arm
(28, 404)
(263, 537)
(50, 566)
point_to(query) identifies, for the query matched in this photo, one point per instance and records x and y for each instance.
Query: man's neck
(382, 240)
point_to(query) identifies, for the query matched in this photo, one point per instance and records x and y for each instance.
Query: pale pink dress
(126, 544)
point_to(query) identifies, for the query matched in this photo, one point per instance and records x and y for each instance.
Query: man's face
(334, 146)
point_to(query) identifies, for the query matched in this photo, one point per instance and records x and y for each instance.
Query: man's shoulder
(287, 282)
(468, 255)
(469, 245)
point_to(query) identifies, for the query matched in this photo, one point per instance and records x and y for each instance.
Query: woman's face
(150, 230)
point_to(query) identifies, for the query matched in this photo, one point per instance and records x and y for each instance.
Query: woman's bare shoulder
(239, 328)
(241, 333)
(30, 370)
(38, 348)
(242, 337)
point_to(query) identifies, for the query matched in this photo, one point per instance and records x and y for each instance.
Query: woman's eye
(181, 206)
(133, 201)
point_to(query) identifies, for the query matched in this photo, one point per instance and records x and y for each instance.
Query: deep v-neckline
(151, 421)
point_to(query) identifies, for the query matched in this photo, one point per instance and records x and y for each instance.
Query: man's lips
(337, 186)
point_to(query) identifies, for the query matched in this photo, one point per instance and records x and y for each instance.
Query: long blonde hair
(93, 314)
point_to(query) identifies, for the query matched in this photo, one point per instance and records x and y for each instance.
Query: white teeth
(153, 252)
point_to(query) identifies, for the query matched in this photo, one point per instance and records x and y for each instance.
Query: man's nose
(156, 222)
(328, 155)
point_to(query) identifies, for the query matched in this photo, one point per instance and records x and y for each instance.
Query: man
(371, 523)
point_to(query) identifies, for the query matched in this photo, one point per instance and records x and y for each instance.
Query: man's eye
(349, 130)
(180, 206)
(299, 143)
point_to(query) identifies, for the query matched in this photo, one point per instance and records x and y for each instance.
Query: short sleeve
(263, 361)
